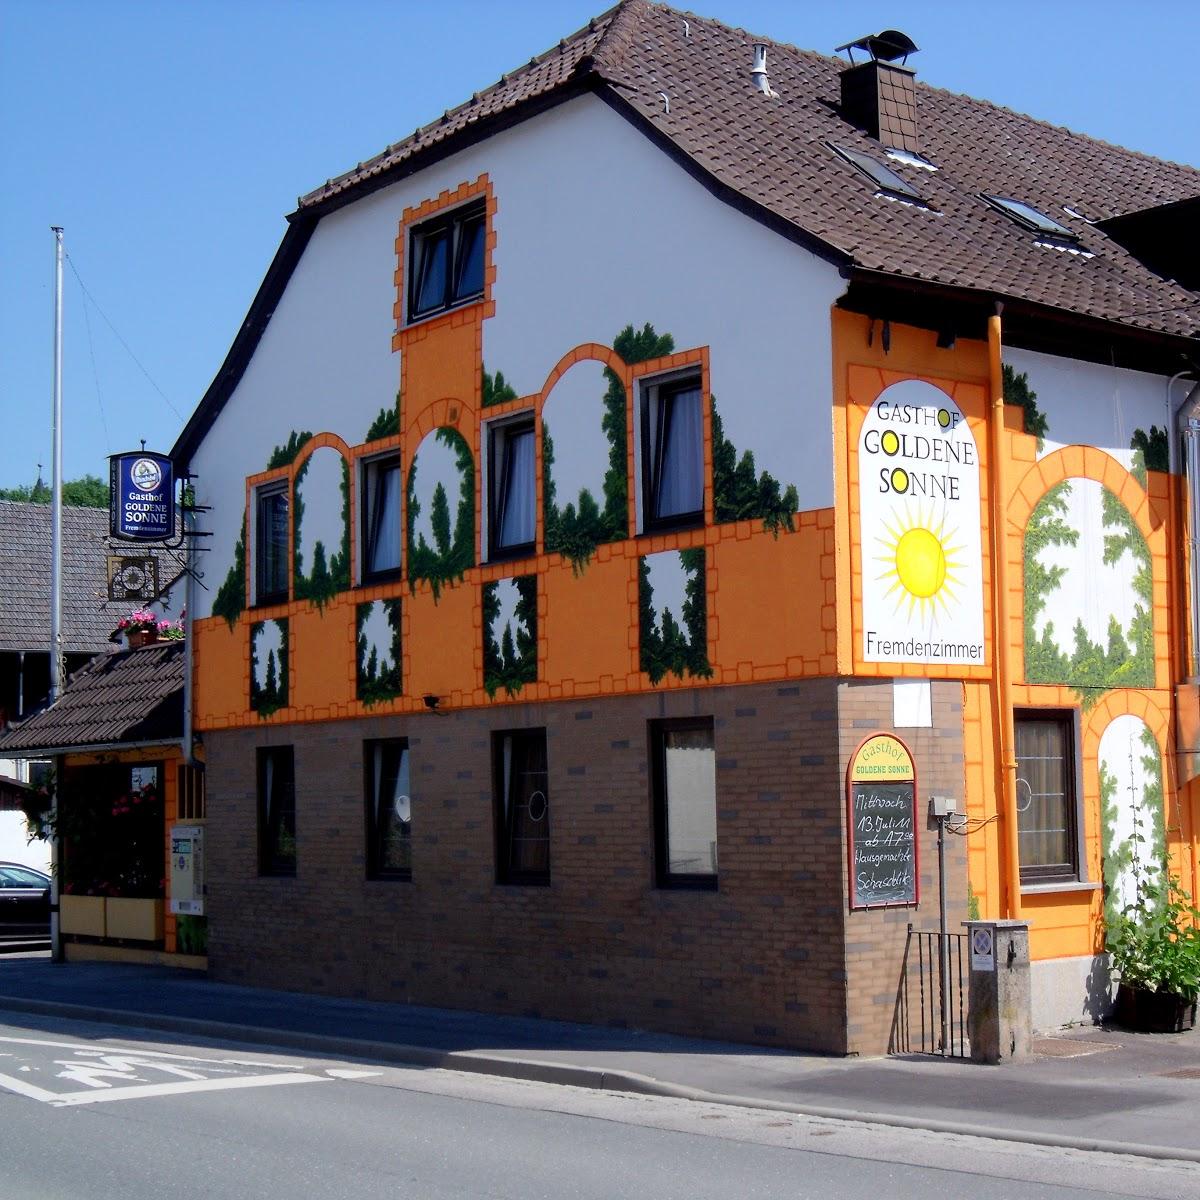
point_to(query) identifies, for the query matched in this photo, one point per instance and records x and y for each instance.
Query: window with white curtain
(672, 453)
(381, 518)
(683, 777)
(512, 490)
(389, 809)
(1047, 799)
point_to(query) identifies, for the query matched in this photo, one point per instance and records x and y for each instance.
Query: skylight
(884, 178)
(1030, 217)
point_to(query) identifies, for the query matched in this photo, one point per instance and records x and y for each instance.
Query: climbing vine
(1018, 393)
(738, 494)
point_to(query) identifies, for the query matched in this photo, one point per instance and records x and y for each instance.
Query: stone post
(999, 1007)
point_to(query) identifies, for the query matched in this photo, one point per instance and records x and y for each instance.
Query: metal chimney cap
(886, 46)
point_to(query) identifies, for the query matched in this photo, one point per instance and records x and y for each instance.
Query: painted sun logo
(921, 567)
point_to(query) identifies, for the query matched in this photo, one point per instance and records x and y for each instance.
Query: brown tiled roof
(774, 154)
(123, 698)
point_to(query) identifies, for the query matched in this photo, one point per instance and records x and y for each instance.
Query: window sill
(420, 319)
(515, 555)
(381, 578)
(1059, 885)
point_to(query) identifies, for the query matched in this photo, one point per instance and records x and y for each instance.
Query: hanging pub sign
(132, 578)
(141, 503)
(881, 801)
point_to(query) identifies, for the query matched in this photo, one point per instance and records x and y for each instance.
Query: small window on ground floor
(685, 803)
(389, 809)
(276, 811)
(522, 799)
(1047, 796)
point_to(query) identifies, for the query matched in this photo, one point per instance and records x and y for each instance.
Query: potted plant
(1155, 947)
(140, 628)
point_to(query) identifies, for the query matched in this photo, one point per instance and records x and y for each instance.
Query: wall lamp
(431, 701)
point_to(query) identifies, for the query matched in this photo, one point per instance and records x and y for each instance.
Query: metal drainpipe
(1002, 689)
(189, 526)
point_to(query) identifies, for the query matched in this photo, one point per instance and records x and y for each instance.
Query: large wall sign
(922, 564)
(141, 499)
(881, 796)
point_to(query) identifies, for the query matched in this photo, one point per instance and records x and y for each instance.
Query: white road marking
(177, 1089)
(344, 1074)
(85, 1051)
(26, 1089)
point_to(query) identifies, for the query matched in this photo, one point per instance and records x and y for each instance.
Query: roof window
(1029, 217)
(884, 178)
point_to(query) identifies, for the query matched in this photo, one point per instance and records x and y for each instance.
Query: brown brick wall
(760, 960)
(875, 938)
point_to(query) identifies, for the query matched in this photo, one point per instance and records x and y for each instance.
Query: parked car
(24, 903)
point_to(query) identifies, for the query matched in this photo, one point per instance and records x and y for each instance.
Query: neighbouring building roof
(128, 697)
(685, 82)
(25, 578)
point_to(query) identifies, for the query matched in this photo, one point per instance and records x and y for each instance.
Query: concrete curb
(541, 1071)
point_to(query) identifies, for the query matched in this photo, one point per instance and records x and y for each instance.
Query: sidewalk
(1088, 1088)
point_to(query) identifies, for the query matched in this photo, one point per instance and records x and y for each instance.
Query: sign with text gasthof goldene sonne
(921, 558)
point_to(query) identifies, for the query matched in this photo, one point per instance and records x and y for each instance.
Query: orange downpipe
(1001, 680)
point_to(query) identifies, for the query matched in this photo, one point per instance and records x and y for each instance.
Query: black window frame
(660, 389)
(499, 463)
(506, 872)
(370, 469)
(264, 494)
(885, 181)
(664, 877)
(272, 821)
(376, 870)
(1045, 229)
(452, 223)
(1068, 721)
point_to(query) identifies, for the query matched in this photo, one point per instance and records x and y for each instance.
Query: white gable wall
(596, 229)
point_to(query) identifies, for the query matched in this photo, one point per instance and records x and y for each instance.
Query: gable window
(381, 518)
(672, 451)
(276, 811)
(1047, 798)
(512, 491)
(684, 773)
(389, 809)
(271, 543)
(522, 807)
(446, 256)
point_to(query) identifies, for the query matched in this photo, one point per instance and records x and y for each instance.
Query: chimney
(879, 95)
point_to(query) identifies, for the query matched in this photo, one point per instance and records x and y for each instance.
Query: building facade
(586, 495)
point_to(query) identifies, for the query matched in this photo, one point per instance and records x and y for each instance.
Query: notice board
(881, 803)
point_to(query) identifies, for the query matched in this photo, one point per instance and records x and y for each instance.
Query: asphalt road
(96, 1112)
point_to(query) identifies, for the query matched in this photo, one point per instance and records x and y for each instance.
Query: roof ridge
(430, 129)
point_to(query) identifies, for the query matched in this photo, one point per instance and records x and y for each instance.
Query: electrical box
(187, 870)
(942, 806)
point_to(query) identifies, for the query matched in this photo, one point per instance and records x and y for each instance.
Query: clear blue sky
(170, 138)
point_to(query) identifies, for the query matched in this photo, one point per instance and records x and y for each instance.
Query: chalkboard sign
(881, 792)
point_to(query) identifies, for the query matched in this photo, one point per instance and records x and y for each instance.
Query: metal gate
(917, 1027)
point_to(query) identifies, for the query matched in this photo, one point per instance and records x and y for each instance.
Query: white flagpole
(56, 655)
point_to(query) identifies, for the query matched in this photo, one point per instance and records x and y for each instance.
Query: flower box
(83, 915)
(134, 920)
(1153, 1012)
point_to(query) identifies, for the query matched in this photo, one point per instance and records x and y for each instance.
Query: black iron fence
(918, 1026)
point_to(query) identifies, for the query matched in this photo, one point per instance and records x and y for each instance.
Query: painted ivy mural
(1018, 393)
(268, 666)
(496, 390)
(1066, 581)
(1151, 451)
(231, 595)
(669, 583)
(509, 634)
(446, 554)
(739, 493)
(386, 423)
(578, 527)
(379, 664)
(1131, 811)
(330, 569)
(230, 600)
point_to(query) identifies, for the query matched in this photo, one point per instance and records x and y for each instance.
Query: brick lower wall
(763, 959)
